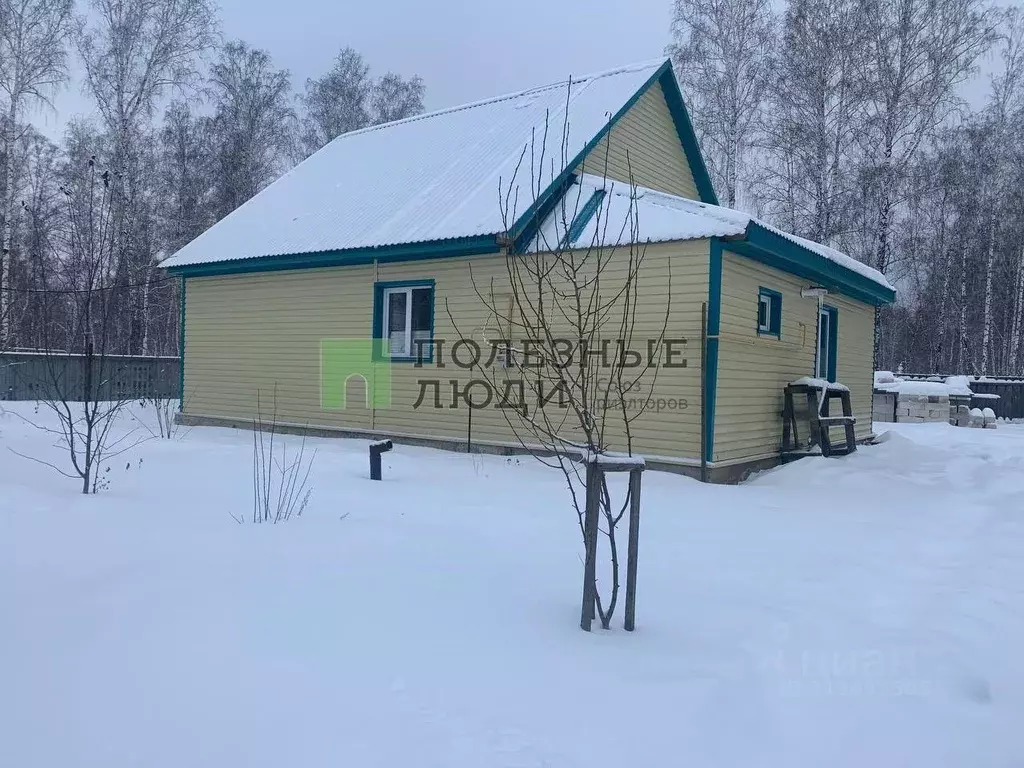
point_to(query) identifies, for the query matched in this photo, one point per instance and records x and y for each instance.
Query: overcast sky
(464, 49)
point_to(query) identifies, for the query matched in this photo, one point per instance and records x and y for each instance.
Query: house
(395, 226)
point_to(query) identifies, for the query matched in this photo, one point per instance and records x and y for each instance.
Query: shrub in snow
(163, 414)
(280, 480)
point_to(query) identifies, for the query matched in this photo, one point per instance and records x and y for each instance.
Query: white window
(764, 313)
(408, 320)
(769, 312)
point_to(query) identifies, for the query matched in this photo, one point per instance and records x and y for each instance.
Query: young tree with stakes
(558, 307)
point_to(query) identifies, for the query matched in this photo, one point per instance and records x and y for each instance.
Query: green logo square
(341, 359)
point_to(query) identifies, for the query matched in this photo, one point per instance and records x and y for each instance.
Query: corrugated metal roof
(657, 217)
(660, 217)
(430, 177)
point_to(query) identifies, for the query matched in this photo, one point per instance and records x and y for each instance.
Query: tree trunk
(882, 256)
(6, 238)
(963, 313)
(986, 330)
(145, 309)
(1018, 318)
(941, 357)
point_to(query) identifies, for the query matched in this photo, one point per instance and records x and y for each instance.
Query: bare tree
(919, 51)
(395, 99)
(815, 116)
(79, 316)
(346, 99)
(722, 56)
(564, 320)
(1006, 100)
(254, 124)
(33, 62)
(336, 102)
(185, 177)
(135, 52)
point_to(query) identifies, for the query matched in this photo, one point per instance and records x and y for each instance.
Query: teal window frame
(380, 346)
(774, 328)
(832, 342)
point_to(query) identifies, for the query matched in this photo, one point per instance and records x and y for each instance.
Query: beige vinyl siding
(251, 333)
(655, 155)
(754, 369)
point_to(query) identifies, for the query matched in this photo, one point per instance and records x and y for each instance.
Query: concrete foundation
(722, 474)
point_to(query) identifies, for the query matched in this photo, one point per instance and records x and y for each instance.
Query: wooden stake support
(596, 469)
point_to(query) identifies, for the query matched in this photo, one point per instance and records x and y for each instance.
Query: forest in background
(189, 127)
(843, 121)
(839, 120)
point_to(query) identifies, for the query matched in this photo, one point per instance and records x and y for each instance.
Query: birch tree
(721, 51)
(1005, 101)
(33, 63)
(254, 124)
(336, 103)
(185, 177)
(918, 52)
(346, 99)
(136, 52)
(812, 133)
(394, 98)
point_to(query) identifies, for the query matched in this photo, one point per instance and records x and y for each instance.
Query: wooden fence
(1010, 404)
(40, 375)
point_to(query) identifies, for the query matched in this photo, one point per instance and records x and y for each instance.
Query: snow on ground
(864, 611)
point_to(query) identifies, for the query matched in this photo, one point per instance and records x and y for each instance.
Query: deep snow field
(863, 611)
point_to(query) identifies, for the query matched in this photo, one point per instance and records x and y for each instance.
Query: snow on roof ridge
(582, 80)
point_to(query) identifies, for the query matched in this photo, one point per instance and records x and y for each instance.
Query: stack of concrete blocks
(883, 406)
(982, 418)
(960, 410)
(919, 409)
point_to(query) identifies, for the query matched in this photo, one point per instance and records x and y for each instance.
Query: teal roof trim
(541, 210)
(687, 136)
(583, 217)
(774, 250)
(535, 213)
(434, 249)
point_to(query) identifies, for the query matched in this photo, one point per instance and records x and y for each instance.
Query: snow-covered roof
(837, 257)
(442, 177)
(661, 217)
(430, 177)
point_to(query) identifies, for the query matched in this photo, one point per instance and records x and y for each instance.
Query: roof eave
(766, 247)
(432, 249)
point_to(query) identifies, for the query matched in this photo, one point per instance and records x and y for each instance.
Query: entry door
(828, 338)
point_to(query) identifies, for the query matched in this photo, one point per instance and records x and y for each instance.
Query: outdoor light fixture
(813, 293)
